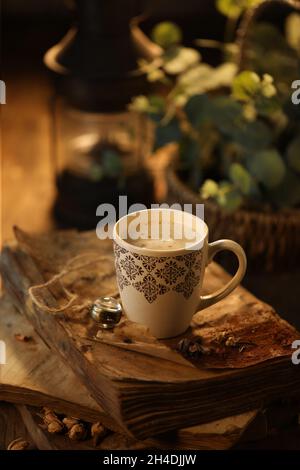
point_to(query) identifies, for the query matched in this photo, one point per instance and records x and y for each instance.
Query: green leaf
(226, 114)
(252, 3)
(157, 104)
(198, 109)
(189, 152)
(287, 193)
(229, 198)
(293, 154)
(240, 177)
(139, 104)
(253, 135)
(203, 77)
(166, 34)
(234, 8)
(245, 85)
(228, 117)
(249, 112)
(226, 194)
(156, 75)
(178, 59)
(229, 8)
(292, 30)
(267, 167)
(267, 106)
(164, 134)
(268, 89)
(195, 80)
(223, 75)
(268, 52)
(268, 37)
(149, 104)
(191, 161)
(209, 189)
(153, 105)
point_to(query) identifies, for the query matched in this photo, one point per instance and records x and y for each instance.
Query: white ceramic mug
(161, 287)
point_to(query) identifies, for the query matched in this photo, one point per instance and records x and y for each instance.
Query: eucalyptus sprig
(237, 132)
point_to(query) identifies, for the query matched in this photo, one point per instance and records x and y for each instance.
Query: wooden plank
(134, 388)
(220, 435)
(274, 428)
(34, 375)
(12, 426)
(43, 439)
(46, 441)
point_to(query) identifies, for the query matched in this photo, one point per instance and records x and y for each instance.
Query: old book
(12, 427)
(35, 375)
(262, 432)
(146, 385)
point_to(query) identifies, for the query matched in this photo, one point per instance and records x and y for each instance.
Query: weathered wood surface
(264, 431)
(220, 435)
(43, 439)
(34, 375)
(12, 426)
(144, 393)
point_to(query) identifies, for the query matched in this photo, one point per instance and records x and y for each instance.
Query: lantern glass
(99, 156)
(96, 145)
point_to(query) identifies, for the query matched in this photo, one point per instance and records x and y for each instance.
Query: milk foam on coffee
(163, 232)
(160, 244)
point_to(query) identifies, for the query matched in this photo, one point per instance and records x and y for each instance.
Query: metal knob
(107, 311)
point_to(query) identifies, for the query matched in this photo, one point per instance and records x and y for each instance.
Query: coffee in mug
(160, 259)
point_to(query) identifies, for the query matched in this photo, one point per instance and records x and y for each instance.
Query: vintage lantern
(99, 146)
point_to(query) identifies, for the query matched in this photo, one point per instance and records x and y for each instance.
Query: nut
(69, 422)
(221, 336)
(55, 427)
(49, 416)
(191, 347)
(77, 432)
(183, 345)
(98, 432)
(46, 410)
(231, 341)
(18, 444)
(54, 424)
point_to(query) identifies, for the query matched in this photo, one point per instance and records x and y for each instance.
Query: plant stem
(230, 29)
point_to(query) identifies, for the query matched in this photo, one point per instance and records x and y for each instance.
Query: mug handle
(213, 249)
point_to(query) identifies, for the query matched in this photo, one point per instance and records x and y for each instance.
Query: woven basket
(271, 240)
(250, 17)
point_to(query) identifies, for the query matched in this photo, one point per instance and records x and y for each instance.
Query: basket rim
(288, 214)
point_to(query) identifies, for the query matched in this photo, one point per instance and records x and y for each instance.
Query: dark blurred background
(29, 29)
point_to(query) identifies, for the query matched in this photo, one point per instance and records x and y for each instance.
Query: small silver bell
(107, 311)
